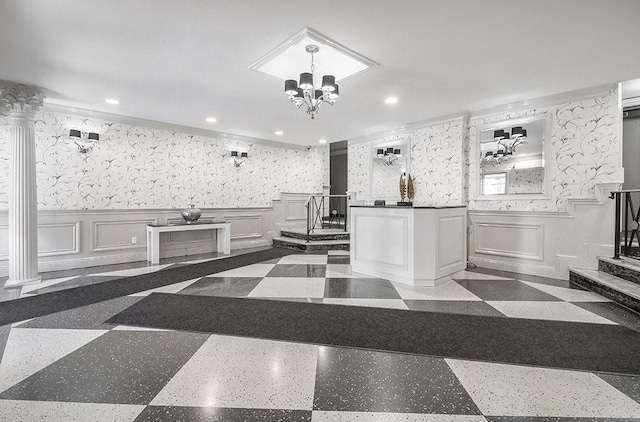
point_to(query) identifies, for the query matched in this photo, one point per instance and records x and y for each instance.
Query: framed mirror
(512, 155)
(389, 160)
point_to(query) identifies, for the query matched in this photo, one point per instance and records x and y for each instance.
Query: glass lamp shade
(328, 83)
(380, 152)
(500, 153)
(517, 132)
(94, 136)
(506, 135)
(244, 155)
(389, 151)
(524, 133)
(290, 87)
(318, 94)
(489, 154)
(306, 81)
(498, 134)
(234, 153)
(74, 133)
(396, 152)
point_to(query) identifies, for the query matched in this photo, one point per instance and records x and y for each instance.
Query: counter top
(408, 206)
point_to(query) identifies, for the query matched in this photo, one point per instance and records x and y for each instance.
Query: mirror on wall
(389, 160)
(512, 158)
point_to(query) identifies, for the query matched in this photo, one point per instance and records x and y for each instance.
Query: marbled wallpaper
(436, 164)
(522, 181)
(135, 167)
(586, 150)
(386, 180)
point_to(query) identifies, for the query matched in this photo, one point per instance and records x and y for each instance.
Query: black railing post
(616, 245)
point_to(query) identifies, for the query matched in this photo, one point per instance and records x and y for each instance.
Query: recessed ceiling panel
(290, 59)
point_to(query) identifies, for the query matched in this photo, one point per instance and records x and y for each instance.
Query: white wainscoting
(84, 238)
(543, 243)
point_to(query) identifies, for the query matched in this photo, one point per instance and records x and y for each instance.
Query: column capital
(14, 97)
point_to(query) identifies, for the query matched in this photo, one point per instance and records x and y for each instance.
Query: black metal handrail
(627, 224)
(322, 211)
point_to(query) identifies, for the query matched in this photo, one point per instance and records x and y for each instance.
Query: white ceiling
(181, 61)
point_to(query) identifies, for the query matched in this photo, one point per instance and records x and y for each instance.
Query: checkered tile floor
(72, 366)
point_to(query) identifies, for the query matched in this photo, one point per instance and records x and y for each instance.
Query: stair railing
(326, 211)
(627, 224)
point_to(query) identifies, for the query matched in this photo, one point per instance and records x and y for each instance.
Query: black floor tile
(523, 277)
(4, 335)
(128, 367)
(298, 270)
(90, 317)
(629, 385)
(505, 290)
(222, 286)
(75, 282)
(219, 414)
(555, 419)
(453, 307)
(613, 312)
(366, 381)
(362, 288)
(338, 259)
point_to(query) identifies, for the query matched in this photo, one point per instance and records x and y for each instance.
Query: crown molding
(135, 121)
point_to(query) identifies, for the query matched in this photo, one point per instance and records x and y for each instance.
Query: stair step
(628, 269)
(615, 288)
(316, 245)
(319, 234)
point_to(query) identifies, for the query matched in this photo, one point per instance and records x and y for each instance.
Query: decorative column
(21, 103)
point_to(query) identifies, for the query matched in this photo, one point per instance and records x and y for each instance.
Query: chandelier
(389, 155)
(496, 158)
(305, 93)
(510, 142)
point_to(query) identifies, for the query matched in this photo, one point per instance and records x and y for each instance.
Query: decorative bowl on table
(191, 214)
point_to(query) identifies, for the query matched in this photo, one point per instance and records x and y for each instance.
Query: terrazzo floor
(72, 366)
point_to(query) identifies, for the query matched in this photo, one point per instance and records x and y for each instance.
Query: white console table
(223, 236)
(421, 246)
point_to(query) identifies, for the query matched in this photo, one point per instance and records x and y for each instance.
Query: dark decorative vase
(191, 214)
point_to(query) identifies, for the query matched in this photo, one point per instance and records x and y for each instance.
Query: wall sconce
(389, 155)
(237, 160)
(85, 141)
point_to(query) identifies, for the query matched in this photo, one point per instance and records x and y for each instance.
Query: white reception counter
(421, 246)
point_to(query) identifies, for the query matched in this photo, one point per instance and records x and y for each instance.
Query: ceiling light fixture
(389, 155)
(211, 119)
(111, 101)
(279, 132)
(391, 100)
(305, 93)
(508, 141)
(322, 141)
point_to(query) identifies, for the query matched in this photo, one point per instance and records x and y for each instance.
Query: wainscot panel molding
(104, 237)
(290, 212)
(544, 243)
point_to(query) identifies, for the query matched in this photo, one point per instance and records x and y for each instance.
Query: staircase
(615, 279)
(319, 240)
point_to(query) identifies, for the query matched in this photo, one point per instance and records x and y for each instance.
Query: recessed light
(391, 100)
(211, 119)
(322, 141)
(111, 101)
(279, 132)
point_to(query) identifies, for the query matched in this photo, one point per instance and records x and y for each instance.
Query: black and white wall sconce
(239, 159)
(85, 141)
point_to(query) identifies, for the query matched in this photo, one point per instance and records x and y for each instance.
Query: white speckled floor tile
(289, 287)
(245, 373)
(303, 259)
(171, 288)
(554, 311)
(446, 291)
(31, 287)
(373, 303)
(570, 295)
(343, 271)
(340, 253)
(28, 350)
(510, 390)
(31, 411)
(135, 271)
(470, 275)
(254, 270)
(320, 416)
